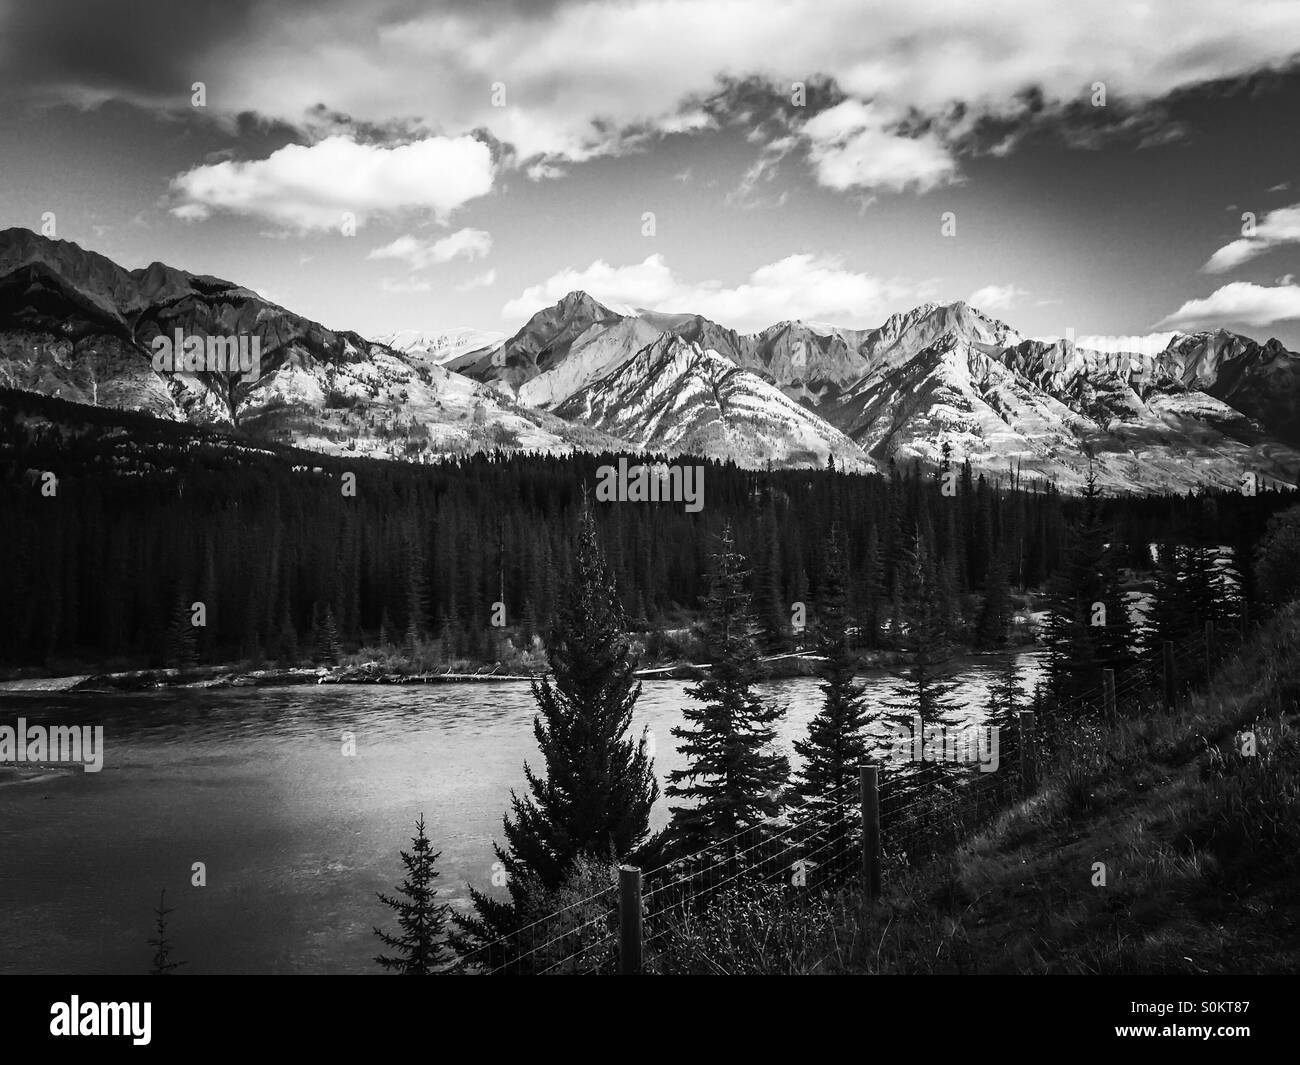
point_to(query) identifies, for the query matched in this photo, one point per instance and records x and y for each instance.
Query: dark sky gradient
(1099, 222)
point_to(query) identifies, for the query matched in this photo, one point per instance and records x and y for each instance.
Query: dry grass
(1199, 840)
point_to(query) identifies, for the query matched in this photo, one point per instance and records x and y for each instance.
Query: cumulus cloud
(851, 146)
(439, 63)
(1240, 302)
(420, 254)
(312, 186)
(799, 286)
(996, 297)
(1274, 230)
(484, 280)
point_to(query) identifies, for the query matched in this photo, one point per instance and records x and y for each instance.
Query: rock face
(674, 396)
(75, 325)
(936, 380)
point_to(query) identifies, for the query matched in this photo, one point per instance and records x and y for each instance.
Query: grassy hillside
(1200, 840)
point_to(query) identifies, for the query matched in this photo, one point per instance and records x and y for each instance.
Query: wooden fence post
(629, 919)
(1108, 691)
(869, 785)
(1169, 677)
(1028, 752)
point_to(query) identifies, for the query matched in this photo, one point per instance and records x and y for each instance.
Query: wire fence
(919, 812)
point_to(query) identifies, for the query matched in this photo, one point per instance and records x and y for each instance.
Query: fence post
(1028, 752)
(1108, 692)
(1169, 677)
(869, 785)
(629, 919)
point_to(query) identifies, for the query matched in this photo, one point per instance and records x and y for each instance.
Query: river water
(295, 837)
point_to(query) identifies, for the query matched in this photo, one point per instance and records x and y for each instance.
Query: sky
(1110, 170)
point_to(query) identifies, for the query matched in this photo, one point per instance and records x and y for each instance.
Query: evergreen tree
(418, 943)
(161, 943)
(1170, 617)
(1006, 700)
(595, 797)
(1087, 627)
(995, 614)
(732, 778)
(835, 746)
(921, 701)
(182, 643)
(328, 647)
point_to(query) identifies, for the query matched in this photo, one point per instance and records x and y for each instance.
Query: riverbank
(785, 666)
(1160, 845)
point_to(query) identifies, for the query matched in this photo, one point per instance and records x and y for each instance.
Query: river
(295, 837)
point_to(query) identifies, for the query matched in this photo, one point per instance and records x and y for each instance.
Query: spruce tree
(921, 700)
(1006, 699)
(182, 643)
(417, 946)
(1087, 627)
(162, 945)
(1170, 617)
(733, 779)
(995, 614)
(835, 746)
(595, 796)
(328, 646)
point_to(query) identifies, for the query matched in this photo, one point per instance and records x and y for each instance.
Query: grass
(1165, 844)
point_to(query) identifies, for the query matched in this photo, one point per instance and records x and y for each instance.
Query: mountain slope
(954, 394)
(674, 396)
(75, 325)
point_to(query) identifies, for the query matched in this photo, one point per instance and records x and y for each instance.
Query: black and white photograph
(650, 487)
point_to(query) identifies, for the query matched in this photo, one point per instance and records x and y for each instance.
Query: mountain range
(941, 381)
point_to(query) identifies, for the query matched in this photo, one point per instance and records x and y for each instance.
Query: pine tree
(1088, 627)
(995, 614)
(1006, 700)
(733, 778)
(182, 644)
(921, 701)
(418, 945)
(328, 647)
(595, 797)
(835, 746)
(161, 943)
(1170, 617)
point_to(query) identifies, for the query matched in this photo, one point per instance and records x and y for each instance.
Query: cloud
(421, 254)
(484, 280)
(404, 286)
(851, 146)
(311, 186)
(1240, 302)
(799, 286)
(995, 297)
(439, 63)
(1275, 229)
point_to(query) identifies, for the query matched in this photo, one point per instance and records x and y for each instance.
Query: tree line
(146, 519)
